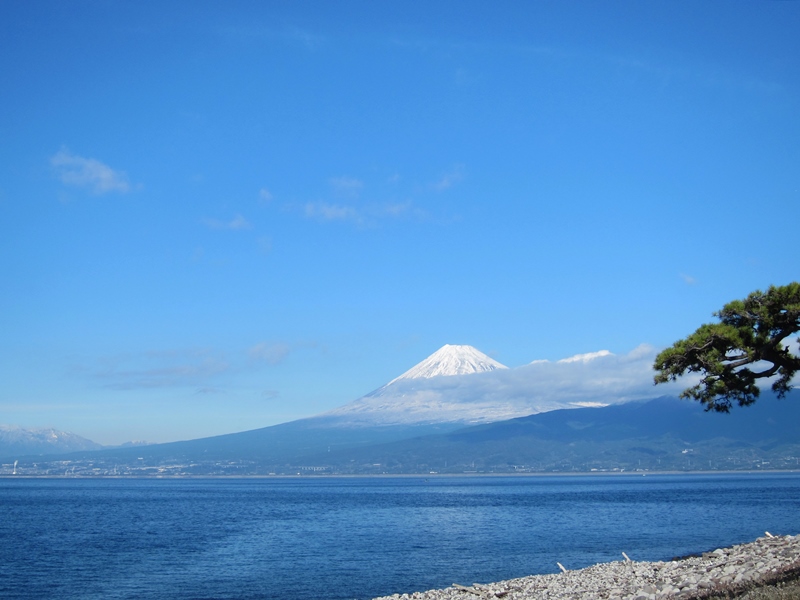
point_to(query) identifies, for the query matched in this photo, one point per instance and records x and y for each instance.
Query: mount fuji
(454, 387)
(457, 384)
(450, 360)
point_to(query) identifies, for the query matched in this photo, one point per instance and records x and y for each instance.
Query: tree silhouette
(749, 343)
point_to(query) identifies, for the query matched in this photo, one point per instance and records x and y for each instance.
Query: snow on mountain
(460, 384)
(451, 360)
(18, 441)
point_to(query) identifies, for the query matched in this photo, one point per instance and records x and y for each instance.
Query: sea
(332, 538)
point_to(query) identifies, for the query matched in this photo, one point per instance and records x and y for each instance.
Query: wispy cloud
(585, 357)
(688, 279)
(450, 178)
(255, 32)
(365, 216)
(347, 202)
(399, 209)
(276, 352)
(272, 353)
(346, 186)
(464, 77)
(189, 368)
(264, 245)
(207, 391)
(236, 223)
(89, 173)
(325, 211)
(264, 196)
(310, 40)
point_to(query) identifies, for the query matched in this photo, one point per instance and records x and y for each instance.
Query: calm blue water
(337, 538)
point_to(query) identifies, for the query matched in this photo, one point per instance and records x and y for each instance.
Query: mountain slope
(661, 434)
(277, 445)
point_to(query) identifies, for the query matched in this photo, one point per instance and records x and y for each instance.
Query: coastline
(598, 474)
(734, 572)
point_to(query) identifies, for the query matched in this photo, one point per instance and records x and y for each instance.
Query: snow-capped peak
(16, 440)
(451, 359)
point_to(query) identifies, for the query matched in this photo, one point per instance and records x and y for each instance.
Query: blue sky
(221, 216)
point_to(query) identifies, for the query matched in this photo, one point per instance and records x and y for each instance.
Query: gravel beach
(722, 573)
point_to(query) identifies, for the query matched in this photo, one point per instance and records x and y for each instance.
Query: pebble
(623, 580)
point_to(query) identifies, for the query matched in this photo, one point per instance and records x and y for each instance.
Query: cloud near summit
(582, 380)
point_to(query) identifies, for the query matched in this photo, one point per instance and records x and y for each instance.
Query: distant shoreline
(409, 475)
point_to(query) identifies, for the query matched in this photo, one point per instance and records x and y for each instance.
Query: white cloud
(688, 279)
(447, 180)
(89, 173)
(272, 353)
(331, 212)
(346, 205)
(595, 377)
(464, 77)
(254, 31)
(236, 223)
(264, 196)
(346, 186)
(365, 215)
(397, 209)
(207, 390)
(586, 357)
(239, 222)
(276, 352)
(264, 245)
(161, 369)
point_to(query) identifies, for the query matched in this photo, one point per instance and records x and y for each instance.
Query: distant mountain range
(19, 441)
(449, 414)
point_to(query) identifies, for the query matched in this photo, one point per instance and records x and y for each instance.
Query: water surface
(339, 538)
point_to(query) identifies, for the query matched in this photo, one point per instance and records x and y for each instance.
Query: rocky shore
(723, 573)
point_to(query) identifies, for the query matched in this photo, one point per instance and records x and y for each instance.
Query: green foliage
(746, 345)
